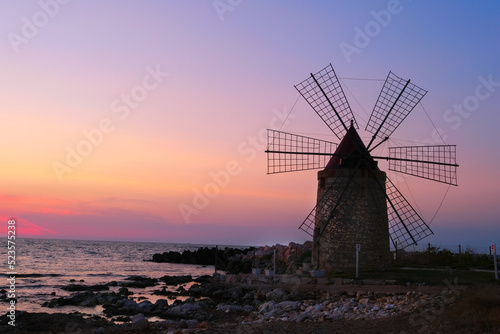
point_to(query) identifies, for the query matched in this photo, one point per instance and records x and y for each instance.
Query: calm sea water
(44, 266)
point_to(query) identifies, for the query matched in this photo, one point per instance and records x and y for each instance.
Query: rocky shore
(215, 302)
(287, 301)
(234, 260)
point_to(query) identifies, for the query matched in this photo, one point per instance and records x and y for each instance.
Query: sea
(43, 267)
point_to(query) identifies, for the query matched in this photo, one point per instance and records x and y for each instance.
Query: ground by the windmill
(435, 299)
(449, 307)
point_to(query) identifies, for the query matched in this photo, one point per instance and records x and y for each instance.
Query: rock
(145, 306)
(176, 280)
(262, 292)
(203, 279)
(161, 304)
(183, 324)
(336, 316)
(124, 291)
(233, 258)
(191, 323)
(289, 305)
(267, 307)
(277, 295)
(127, 304)
(264, 279)
(88, 303)
(140, 322)
(304, 316)
(236, 292)
(234, 308)
(248, 296)
(139, 282)
(218, 294)
(195, 290)
(364, 301)
(188, 307)
(81, 287)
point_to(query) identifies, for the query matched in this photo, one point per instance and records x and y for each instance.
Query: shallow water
(44, 266)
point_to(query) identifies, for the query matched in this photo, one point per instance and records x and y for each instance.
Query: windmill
(357, 204)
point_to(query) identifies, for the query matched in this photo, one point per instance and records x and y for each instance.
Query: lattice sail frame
(288, 152)
(397, 97)
(406, 227)
(323, 210)
(436, 162)
(330, 85)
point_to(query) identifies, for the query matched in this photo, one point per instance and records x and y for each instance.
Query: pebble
(364, 306)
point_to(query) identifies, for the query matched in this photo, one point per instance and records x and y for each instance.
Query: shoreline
(223, 303)
(292, 296)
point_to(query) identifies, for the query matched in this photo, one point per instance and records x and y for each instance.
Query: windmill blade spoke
(405, 225)
(435, 162)
(397, 99)
(325, 95)
(288, 152)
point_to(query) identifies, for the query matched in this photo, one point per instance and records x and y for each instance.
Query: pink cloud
(26, 228)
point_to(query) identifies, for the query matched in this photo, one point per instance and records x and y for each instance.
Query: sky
(146, 120)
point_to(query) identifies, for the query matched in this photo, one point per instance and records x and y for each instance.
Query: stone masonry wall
(360, 218)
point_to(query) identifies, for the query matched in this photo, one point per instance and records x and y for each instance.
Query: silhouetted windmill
(357, 204)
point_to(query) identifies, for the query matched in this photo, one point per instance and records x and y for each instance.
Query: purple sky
(116, 116)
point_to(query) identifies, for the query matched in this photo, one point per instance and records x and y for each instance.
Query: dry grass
(477, 311)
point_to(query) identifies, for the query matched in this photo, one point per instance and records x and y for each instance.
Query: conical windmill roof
(349, 151)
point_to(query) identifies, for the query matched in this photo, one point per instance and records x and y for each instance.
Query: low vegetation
(436, 257)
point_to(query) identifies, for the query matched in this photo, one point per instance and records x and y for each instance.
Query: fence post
(395, 250)
(494, 251)
(358, 248)
(216, 258)
(429, 254)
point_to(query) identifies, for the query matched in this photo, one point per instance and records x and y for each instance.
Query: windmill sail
(397, 99)
(437, 162)
(288, 152)
(405, 225)
(325, 95)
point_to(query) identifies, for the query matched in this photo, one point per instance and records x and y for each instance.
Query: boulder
(277, 295)
(140, 322)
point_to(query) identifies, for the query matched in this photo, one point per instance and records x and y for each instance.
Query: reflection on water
(44, 266)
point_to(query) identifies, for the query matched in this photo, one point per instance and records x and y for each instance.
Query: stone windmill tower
(357, 205)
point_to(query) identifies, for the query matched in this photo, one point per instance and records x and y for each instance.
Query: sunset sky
(145, 120)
